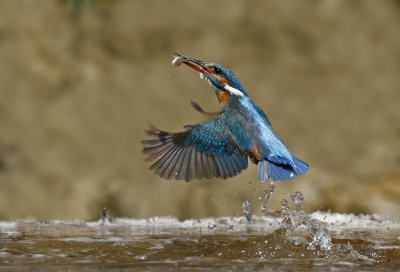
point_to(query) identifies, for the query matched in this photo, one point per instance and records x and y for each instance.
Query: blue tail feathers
(281, 171)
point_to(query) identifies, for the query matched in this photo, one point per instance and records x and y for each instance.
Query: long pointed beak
(198, 65)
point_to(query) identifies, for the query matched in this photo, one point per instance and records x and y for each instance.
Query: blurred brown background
(80, 80)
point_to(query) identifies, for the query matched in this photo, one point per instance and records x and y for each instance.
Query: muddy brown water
(231, 243)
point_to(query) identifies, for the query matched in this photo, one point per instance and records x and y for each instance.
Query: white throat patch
(233, 91)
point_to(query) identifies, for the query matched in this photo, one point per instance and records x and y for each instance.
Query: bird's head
(219, 77)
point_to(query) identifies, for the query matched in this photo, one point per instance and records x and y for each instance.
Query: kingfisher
(221, 147)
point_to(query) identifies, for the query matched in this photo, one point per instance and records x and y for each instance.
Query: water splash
(297, 197)
(265, 197)
(246, 206)
(212, 226)
(320, 235)
(107, 219)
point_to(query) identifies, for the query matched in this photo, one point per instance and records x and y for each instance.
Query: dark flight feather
(198, 152)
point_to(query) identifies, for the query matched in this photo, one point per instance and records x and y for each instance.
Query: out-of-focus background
(80, 80)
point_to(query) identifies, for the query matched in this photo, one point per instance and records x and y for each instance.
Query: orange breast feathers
(254, 155)
(223, 96)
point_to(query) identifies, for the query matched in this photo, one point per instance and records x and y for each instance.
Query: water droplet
(255, 191)
(283, 125)
(223, 204)
(264, 208)
(224, 196)
(212, 226)
(233, 193)
(312, 189)
(246, 206)
(297, 197)
(212, 199)
(272, 187)
(267, 194)
(230, 228)
(249, 182)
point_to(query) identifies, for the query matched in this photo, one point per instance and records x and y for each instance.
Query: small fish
(177, 61)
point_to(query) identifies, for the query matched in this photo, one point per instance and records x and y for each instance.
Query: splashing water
(265, 197)
(292, 218)
(286, 223)
(297, 197)
(246, 206)
(212, 226)
(319, 234)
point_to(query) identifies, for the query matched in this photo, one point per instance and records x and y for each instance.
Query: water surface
(236, 243)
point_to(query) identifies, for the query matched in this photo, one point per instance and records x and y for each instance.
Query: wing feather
(180, 165)
(199, 166)
(206, 167)
(192, 165)
(213, 168)
(168, 172)
(205, 150)
(186, 164)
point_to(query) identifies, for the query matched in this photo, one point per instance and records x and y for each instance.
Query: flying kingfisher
(220, 148)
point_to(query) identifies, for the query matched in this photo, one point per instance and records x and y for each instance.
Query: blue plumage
(220, 148)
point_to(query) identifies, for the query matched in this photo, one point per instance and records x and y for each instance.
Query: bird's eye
(217, 70)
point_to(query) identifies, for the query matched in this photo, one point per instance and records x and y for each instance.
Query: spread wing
(205, 150)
